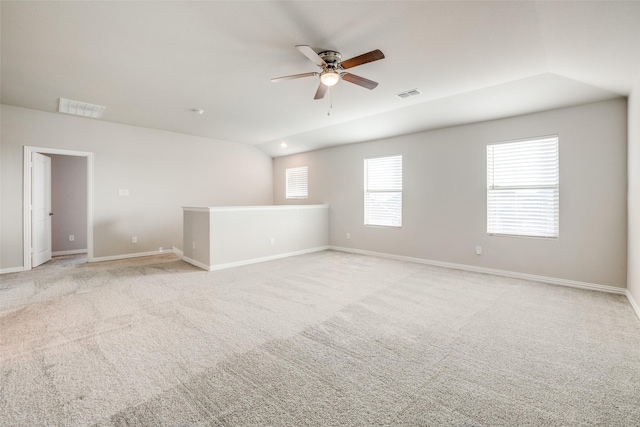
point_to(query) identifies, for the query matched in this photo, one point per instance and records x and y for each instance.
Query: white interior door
(41, 214)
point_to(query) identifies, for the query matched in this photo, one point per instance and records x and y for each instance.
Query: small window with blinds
(297, 187)
(383, 191)
(523, 188)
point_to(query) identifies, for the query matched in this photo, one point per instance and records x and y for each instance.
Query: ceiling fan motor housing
(332, 58)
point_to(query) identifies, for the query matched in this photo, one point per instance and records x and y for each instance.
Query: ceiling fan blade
(322, 89)
(294, 76)
(374, 55)
(360, 81)
(311, 54)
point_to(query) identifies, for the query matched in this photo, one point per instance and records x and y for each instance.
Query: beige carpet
(325, 339)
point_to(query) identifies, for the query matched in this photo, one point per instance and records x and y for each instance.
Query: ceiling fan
(333, 68)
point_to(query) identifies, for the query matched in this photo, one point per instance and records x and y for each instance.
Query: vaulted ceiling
(151, 63)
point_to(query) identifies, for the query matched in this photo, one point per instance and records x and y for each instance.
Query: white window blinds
(383, 191)
(523, 188)
(297, 187)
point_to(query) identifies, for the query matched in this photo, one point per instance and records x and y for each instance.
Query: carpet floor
(323, 339)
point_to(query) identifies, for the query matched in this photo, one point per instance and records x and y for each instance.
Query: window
(383, 191)
(297, 183)
(523, 188)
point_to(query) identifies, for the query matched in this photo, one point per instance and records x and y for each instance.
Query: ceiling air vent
(409, 93)
(80, 108)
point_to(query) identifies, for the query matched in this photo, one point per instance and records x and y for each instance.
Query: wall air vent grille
(78, 108)
(408, 94)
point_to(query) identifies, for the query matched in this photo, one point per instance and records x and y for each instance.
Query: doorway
(32, 214)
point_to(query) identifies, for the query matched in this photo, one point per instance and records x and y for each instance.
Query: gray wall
(197, 234)
(444, 200)
(68, 202)
(633, 283)
(162, 171)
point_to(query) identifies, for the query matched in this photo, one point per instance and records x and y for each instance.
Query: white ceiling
(150, 63)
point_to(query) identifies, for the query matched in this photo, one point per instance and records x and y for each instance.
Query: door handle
(50, 213)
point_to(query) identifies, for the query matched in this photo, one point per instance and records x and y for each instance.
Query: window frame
(366, 191)
(555, 187)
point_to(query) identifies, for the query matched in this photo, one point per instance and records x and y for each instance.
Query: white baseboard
(505, 273)
(11, 270)
(196, 263)
(71, 252)
(634, 303)
(252, 260)
(125, 256)
(178, 252)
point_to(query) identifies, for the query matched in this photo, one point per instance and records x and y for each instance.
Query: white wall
(68, 202)
(163, 171)
(228, 236)
(633, 283)
(444, 200)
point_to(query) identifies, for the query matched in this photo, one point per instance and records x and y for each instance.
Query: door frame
(26, 198)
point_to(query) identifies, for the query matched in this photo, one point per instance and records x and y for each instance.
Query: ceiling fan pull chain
(330, 102)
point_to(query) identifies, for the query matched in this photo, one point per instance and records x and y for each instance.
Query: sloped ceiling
(151, 63)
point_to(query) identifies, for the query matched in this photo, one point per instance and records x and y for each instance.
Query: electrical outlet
(72, 237)
(134, 240)
(478, 250)
(348, 236)
(160, 249)
(273, 241)
(194, 244)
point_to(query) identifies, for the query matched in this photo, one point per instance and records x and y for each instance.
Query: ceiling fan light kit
(329, 77)
(332, 68)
